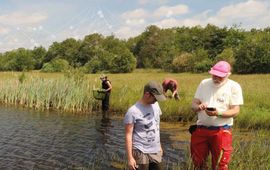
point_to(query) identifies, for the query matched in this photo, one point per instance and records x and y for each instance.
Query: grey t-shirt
(146, 135)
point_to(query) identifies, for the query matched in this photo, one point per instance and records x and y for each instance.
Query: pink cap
(220, 69)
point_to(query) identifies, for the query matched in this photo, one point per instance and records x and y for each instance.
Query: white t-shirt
(221, 98)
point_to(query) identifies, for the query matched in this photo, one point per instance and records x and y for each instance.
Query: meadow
(72, 92)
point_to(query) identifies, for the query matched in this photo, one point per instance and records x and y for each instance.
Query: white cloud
(143, 2)
(250, 14)
(172, 22)
(126, 32)
(18, 18)
(168, 11)
(135, 17)
(167, 23)
(192, 22)
(249, 9)
(4, 30)
(139, 16)
(137, 13)
(135, 21)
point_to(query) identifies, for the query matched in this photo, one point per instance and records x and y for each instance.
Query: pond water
(51, 140)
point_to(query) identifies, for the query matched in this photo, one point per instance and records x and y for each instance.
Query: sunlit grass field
(72, 92)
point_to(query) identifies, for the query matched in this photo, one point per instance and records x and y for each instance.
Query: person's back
(172, 85)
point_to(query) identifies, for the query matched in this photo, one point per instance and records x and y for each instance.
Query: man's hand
(211, 113)
(132, 164)
(197, 105)
(202, 106)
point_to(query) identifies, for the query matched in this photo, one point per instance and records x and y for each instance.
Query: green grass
(73, 93)
(251, 151)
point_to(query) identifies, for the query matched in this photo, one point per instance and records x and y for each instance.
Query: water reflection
(105, 124)
(109, 142)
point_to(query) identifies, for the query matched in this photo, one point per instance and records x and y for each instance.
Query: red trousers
(218, 142)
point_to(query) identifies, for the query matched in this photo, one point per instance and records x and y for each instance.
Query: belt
(214, 127)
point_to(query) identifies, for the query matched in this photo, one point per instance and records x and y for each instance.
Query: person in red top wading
(172, 85)
(217, 101)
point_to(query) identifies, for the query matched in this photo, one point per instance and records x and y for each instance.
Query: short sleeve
(157, 108)
(129, 118)
(237, 96)
(198, 94)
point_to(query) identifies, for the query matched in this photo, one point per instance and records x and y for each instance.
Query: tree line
(179, 49)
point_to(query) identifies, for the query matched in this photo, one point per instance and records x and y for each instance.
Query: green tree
(156, 48)
(148, 47)
(226, 55)
(38, 54)
(68, 50)
(253, 55)
(56, 65)
(189, 39)
(214, 40)
(122, 60)
(101, 62)
(70, 47)
(111, 56)
(200, 62)
(124, 63)
(234, 38)
(18, 60)
(90, 47)
(5, 59)
(53, 51)
(182, 62)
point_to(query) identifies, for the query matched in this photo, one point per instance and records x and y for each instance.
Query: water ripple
(33, 140)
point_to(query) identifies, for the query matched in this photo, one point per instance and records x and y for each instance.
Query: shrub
(182, 63)
(56, 65)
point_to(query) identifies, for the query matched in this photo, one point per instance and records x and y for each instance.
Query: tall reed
(73, 92)
(63, 93)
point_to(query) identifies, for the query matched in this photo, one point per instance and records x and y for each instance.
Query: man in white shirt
(217, 101)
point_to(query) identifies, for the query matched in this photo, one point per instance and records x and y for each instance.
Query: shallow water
(51, 140)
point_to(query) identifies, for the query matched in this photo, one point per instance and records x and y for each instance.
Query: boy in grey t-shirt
(142, 129)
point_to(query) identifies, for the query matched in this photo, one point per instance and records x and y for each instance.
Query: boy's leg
(155, 166)
(141, 159)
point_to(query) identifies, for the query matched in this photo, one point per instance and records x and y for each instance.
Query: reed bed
(73, 92)
(40, 93)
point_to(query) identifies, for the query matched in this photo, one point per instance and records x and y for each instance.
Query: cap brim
(160, 97)
(218, 73)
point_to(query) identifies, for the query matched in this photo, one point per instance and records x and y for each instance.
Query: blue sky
(30, 23)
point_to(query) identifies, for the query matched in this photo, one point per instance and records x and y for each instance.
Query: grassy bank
(251, 151)
(73, 92)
